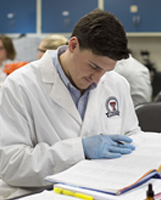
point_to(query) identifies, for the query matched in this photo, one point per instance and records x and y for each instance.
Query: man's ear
(73, 44)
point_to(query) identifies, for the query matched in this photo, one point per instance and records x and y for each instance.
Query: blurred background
(28, 21)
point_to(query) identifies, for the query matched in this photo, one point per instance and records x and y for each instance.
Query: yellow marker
(73, 194)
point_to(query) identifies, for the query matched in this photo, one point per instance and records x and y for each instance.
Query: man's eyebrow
(96, 66)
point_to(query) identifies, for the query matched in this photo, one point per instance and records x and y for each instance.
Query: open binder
(117, 176)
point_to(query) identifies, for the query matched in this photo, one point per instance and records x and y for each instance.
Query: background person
(67, 106)
(138, 77)
(7, 55)
(51, 42)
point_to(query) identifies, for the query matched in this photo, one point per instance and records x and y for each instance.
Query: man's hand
(106, 146)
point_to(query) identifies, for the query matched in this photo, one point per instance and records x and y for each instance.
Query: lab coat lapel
(64, 99)
(59, 93)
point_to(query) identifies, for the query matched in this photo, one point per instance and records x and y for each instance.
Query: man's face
(87, 68)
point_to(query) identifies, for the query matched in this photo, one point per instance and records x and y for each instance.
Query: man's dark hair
(103, 34)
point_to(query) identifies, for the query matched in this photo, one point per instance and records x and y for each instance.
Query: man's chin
(82, 89)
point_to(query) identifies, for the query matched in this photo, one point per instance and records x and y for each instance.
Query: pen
(73, 194)
(119, 142)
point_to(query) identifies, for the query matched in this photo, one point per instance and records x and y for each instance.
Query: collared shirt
(79, 100)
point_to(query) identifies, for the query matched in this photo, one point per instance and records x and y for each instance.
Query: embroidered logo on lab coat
(112, 107)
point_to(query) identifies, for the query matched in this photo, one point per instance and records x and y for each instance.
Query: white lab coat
(138, 77)
(2, 74)
(41, 128)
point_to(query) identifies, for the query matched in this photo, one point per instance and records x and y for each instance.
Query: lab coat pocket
(111, 125)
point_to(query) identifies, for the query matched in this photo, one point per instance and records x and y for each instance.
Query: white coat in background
(138, 77)
(41, 129)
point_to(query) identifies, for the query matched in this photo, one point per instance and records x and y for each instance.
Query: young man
(67, 106)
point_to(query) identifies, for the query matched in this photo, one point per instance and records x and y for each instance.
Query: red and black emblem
(112, 107)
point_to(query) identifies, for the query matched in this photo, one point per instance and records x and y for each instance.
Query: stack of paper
(138, 193)
(116, 176)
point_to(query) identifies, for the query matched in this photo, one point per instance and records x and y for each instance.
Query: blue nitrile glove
(106, 146)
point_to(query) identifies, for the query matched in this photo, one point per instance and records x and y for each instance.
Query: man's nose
(97, 76)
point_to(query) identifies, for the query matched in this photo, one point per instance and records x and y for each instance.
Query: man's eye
(93, 67)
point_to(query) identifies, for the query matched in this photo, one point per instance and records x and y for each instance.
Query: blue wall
(18, 16)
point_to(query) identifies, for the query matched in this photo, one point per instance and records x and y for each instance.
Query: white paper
(114, 174)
